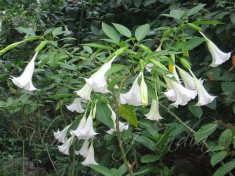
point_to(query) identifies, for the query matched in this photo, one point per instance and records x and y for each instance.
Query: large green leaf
(142, 31)
(123, 30)
(226, 138)
(217, 157)
(28, 31)
(57, 31)
(195, 9)
(104, 114)
(149, 158)
(128, 112)
(111, 32)
(176, 14)
(195, 110)
(226, 168)
(205, 131)
(192, 43)
(103, 170)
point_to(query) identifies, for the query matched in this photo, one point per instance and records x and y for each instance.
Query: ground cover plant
(93, 88)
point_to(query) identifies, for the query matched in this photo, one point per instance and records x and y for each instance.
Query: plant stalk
(128, 166)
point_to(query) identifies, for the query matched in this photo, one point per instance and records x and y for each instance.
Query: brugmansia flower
(85, 92)
(178, 93)
(80, 127)
(143, 91)
(218, 56)
(84, 150)
(64, 148)
(88, 131)
(187, 79)
(61, 135)
(98, 81)
(76, 106)
(25, 80)
(90, 158)
(154, 111)
(203, 97)
(133, 96)
(122, 126)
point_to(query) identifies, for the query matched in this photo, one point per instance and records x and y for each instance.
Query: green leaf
(123, 30)
(122, 170)
(149, 158)
(148, 2)
(111, 33)
(192, 43)
(207, 22)
(114, 69)
(232, 18)
(226, 138)
(57, 31)
(87, 49)
(95, 45)
(142, 31)
(145, 141)
(217, 157)
(195, 110)
(128, 112)
(205, 131)
(215, 148)
(102, 170)
(226, 168)
(176, 14)
(28, 31)
(104, 114)
(228, 86)
(195, 9)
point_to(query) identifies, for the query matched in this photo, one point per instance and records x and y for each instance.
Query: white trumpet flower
(187, 79)
(88, 131)
(122, 126)
(61, 135)
(133, 96)
(203, 97)
(90, 158)
(25, 80)
(178, 93)
(85, 92)
(154, 111)
(98, 81)
(64, 148)
(84, 150)
(218, 56)
(80, 127)
(76, 106)
(143, 91)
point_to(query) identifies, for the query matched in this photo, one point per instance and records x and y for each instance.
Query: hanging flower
(61, 135)
(88, 131)
(98, 81)
(25, 80)
(64, 148)
(203, 97)
(76, 106)
(178, 93)
(154, 111)
(80, 127)
(218, 56)
(143, 91)
(122, 126)
(133, 97)
(90, 158)
(84, 150)
(85, 92)
(187, 79)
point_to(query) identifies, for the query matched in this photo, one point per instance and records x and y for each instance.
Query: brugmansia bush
(120, 76)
